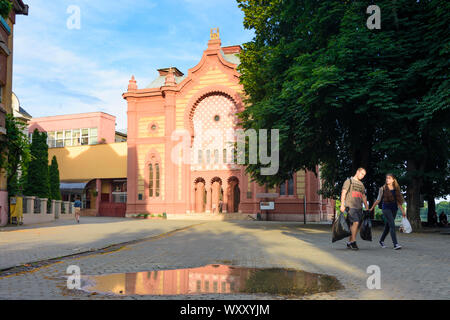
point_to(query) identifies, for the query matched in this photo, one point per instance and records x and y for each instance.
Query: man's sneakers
(352, 245)
(382, 244)
(397, 247)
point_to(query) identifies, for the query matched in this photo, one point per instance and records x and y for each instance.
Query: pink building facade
(91, 157)
(93, 127)
(203, 101)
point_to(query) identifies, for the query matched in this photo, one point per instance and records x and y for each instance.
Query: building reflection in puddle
(212, 279)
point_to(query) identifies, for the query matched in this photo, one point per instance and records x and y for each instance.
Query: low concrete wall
(68, 214)
(43, 216)
(32, 218)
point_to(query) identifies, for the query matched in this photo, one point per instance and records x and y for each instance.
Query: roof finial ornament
(170, 78)
(132, 85)
(214, 34)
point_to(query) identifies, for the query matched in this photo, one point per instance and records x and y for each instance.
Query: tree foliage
(344, 96)
(14, 154)
(37, 172)
(53, 171)
(5, 8)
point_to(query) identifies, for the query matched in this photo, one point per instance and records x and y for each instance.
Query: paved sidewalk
(418, 271)
(24, 244)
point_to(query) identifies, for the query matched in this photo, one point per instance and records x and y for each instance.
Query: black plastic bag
(366, 227)
(340, 228)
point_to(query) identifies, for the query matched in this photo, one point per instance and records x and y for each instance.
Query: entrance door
(200, 196)
(234, 195)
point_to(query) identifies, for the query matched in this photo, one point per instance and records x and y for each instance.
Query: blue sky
(58, 70)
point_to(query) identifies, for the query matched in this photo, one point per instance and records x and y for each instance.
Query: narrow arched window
(291, 186)
(225, 156)
(150, 181)
(157, 179)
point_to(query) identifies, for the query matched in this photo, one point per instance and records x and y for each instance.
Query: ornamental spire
(132, 85)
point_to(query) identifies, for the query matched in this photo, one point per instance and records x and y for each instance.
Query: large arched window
(154, 175)
(287, 187)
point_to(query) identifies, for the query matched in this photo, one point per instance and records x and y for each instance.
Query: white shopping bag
(406, 225)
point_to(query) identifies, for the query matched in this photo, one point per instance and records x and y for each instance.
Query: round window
(216, 117)
(153, 127)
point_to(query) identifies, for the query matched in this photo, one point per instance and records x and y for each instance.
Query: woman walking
(77, 206)
(391, 198)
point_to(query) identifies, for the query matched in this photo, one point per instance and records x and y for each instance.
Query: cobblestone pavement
(26, 244)
(418, 271)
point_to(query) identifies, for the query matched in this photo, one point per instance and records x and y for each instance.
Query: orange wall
(100, 161)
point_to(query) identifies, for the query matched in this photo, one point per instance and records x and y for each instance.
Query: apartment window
(74, 137)
(68, 138)
(59, 139)
(200, 157)
(51, 140)
(84, 136)
(93, 136)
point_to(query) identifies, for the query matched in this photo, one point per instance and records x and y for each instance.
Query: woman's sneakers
(397, 247)
(382, 244)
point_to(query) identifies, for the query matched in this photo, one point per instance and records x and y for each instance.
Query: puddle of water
(212, 279)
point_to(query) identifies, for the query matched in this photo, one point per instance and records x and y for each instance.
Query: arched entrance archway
(216, 195)
(234, 194)
(200, 190)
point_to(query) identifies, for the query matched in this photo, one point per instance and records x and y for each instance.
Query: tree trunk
(431, 208)
(413, 195)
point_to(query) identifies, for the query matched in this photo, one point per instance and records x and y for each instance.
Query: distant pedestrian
(391, 198)
(77, 205)
(353, 196)
(443, 222)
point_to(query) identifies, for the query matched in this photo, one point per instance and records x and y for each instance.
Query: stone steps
(210, 216)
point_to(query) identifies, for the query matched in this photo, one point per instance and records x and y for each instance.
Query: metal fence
(37, 205)
(63, 208)
(49, 206)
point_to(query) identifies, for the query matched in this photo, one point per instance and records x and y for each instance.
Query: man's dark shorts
(355, 215)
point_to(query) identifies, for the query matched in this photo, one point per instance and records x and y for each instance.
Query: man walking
(352, 197)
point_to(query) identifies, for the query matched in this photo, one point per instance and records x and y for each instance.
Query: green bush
(5, 8)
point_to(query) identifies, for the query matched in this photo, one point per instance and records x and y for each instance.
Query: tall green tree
(53, 171)
(37, 171)
(344, 96)
(14, 154)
